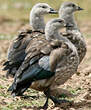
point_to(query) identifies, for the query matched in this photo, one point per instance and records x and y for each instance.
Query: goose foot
(58, 101)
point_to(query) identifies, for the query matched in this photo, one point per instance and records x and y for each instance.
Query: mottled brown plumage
(66, 12)
(45, 61)
(20, 43)
(58, 51)
(78, 40)
(16, 51)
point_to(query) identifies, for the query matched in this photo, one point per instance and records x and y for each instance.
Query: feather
(16, 53)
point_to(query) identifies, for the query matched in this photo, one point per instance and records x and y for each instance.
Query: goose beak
(52, 11)
(79, 8)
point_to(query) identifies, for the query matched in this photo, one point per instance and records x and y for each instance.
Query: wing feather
(38, 64)
(16, 53)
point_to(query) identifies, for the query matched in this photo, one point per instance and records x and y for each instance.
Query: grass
(10, 103)
(88, 35)
(6, 37)
(13, 12)
(18, 9)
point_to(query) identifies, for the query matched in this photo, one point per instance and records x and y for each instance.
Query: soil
(77, 88)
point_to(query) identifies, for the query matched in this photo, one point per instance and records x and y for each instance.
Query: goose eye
(44, 7)
(60, 21)
(73, 5)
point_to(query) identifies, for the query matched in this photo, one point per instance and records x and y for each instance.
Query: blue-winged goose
(44, 58)
(66, 12)
(16, 51)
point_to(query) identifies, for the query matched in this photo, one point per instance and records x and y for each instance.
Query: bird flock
(42, 57)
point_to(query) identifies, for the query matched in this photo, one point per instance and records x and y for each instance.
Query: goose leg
(54, 99)
(47, 93)
(45, 106)
(57, 101)
(26, 97)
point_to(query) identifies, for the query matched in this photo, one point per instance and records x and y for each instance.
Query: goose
(44, 58)
(73, 34)
(16, 51)
(66, 12)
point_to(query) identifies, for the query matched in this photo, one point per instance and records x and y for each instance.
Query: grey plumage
(44, 63)
(66, 12)
(16, 51)
(69, 61)
(47, 56)
(36, 15)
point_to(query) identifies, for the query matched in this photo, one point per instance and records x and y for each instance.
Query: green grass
(88, 35)
(6, 37)
(10, 103)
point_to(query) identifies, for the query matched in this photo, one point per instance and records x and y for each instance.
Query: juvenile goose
(66, 12)
(43, 59)
(16, 52)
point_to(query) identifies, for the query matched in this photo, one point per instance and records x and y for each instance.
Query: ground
(78, 88)
(13, 16)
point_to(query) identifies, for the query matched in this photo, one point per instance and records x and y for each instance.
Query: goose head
(52, 28)
(43, 8)
(57, 23)
(37, 15)
(66, 12)
(69, 7)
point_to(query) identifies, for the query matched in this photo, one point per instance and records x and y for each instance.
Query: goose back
(16, 51)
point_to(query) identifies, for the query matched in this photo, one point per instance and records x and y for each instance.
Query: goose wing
(40, 63)
(16, 53)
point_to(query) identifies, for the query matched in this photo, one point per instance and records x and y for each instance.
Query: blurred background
(14, 14)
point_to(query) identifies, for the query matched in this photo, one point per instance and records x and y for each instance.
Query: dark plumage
(36, 70)
(43, 59)
(16, 53)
